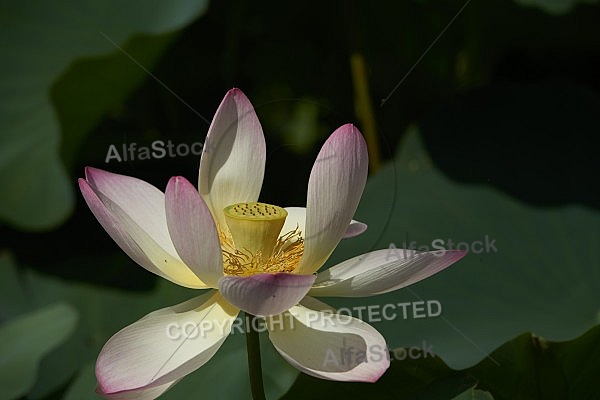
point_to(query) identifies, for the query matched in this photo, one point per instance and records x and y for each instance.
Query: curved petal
(382, 271)
(329, 346)
(143, 393)
(265, 294)
(297, 219)
(131, 237)
(354, 229)
(335, 186)
(165, 345)
(232, 165)
(193, 230)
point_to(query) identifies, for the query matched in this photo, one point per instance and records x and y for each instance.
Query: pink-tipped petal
(354, 229)
(382, 271)
(141, 201)
(312, 337)
(114, 228)
(193, 230)
(265, 294)
(232, 165)
(144, 393)
(335, 187)
(165, 345)
(297, 219)
(136, 243)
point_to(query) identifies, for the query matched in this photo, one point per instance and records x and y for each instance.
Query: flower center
(254, 245)
(255, 226)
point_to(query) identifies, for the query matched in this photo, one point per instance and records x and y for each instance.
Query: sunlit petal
(232, 165)
(335, 187)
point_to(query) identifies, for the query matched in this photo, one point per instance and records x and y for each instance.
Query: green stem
(254, 367)
(364, 109)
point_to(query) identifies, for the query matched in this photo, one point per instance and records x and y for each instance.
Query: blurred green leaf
(541, 275)
(534, 368)
(83, 388)
(298, 123)
(579, 363)
(25, 340)
(40, 41)
(554, 6)
(523, 369)
(301, 130)
(530, 368)
(93, 85)
(12, 298)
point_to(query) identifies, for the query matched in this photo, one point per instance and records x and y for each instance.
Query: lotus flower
(250, 256)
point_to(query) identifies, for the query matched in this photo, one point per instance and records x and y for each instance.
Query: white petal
(232, 165)
(312, 338)
(148, 353)
(193, 230)
(335, 186)
(144, 393)
(137, 230)
(382, 271)
(297, 219)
